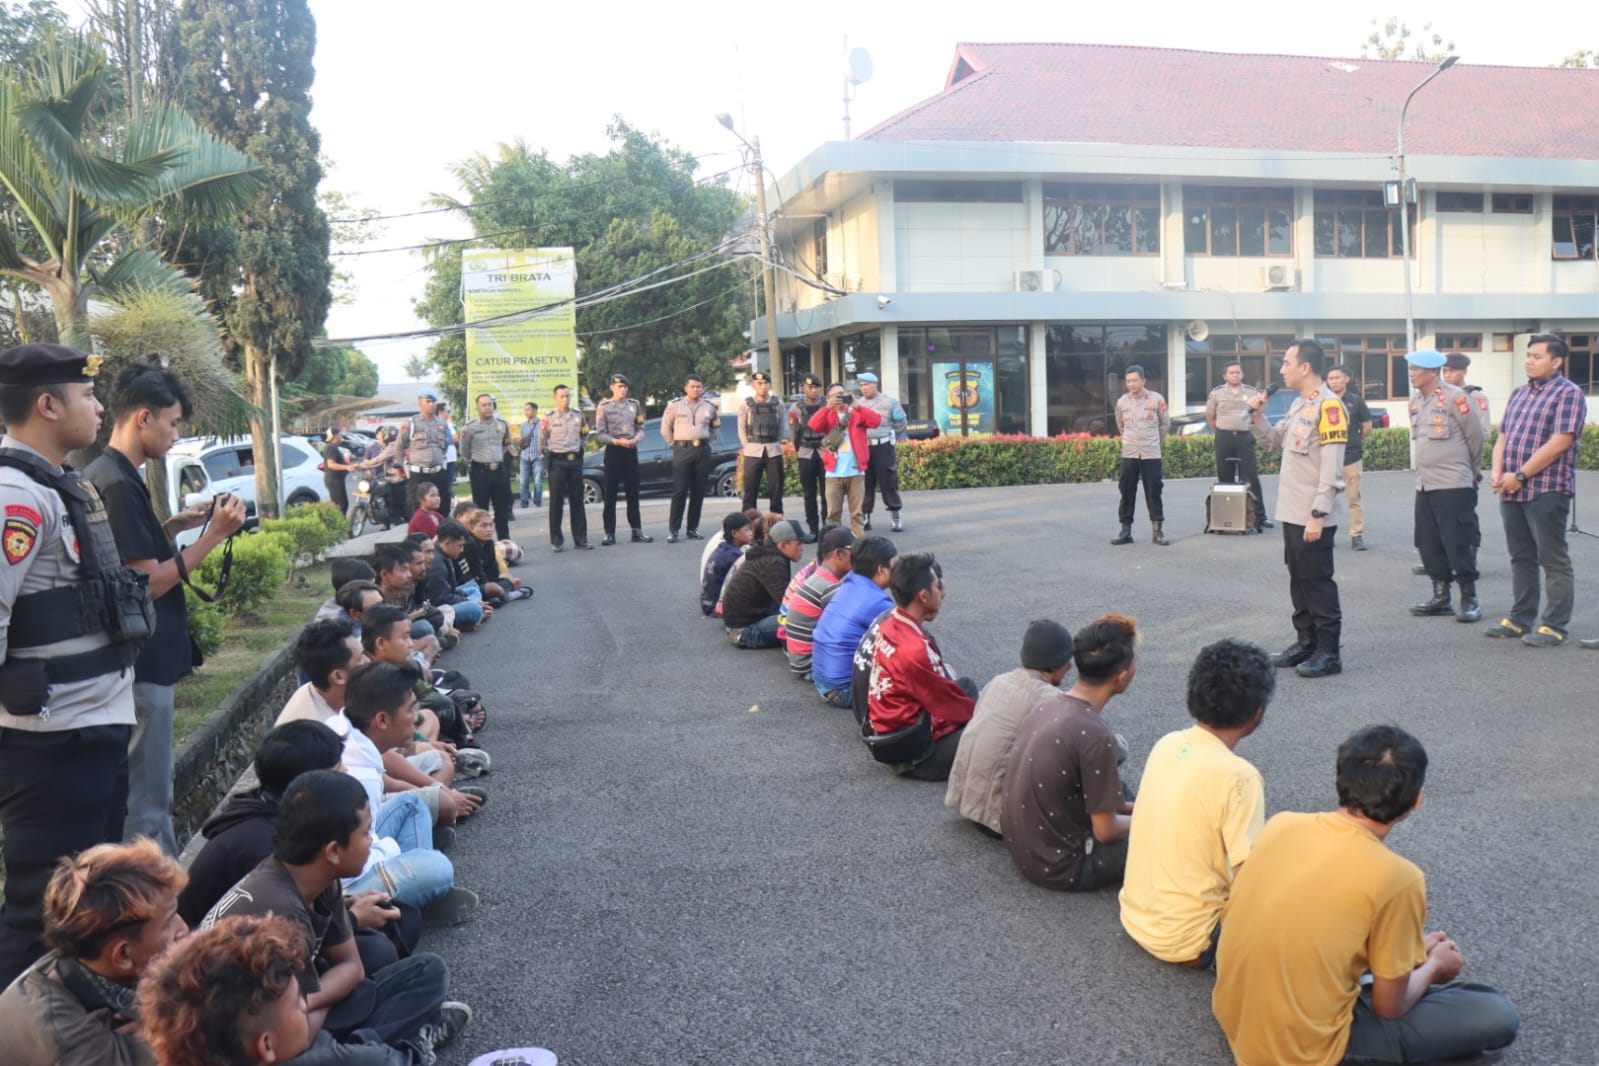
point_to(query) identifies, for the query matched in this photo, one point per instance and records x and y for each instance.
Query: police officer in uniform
(807, 452)
(882, 441)
(762, 436)
(619, 424)
(686, 426)
(561, 440)
(1142, 420)
(72, 621)
(1445, 425)
(425, 441)
(1454, 372)
(1227, 411)
(1310, 503)
(488, 449)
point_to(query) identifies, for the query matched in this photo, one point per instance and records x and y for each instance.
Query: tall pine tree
(248, 71)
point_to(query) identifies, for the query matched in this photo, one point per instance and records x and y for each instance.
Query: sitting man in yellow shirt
(1322, 902)
(1200, 807)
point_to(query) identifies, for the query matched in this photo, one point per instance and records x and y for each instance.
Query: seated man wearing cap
(754, 591)
(976, 781)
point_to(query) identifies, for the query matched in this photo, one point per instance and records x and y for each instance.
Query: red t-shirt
(908, 676)
(425, 522)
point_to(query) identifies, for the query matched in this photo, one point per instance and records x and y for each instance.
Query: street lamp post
(1404, 206)
(773, 348)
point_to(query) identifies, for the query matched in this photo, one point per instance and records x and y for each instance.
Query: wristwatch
(1521, 477)
(1318, 514)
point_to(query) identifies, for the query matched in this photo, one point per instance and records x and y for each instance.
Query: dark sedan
(655, 464)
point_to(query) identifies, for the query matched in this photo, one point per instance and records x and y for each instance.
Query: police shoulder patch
(1462, 404)
(1482, 403)
(19, 536)
(1333, 427)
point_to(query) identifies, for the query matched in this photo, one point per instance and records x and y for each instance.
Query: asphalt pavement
(687, 858)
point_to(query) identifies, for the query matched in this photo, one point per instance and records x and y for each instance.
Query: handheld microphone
(1272, 390)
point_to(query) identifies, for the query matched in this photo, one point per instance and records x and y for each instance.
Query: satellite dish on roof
(1197, 330)
(858, 67)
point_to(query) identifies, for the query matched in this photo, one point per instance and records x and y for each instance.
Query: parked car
(229, 466)
(1192, 423)
(655, 464)
(921, 429)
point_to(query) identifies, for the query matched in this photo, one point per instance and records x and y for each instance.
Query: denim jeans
(833, 691)
(469, 612)
(532, 478)
(1449, 1021)
(1535, 533)
(762, 634)
(150, 768)
(419, 875)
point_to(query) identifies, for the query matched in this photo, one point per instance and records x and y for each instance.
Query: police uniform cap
(28, 365)
(761, 375)
(428, 394)
(621, 379)
(868, 376)
(1457, 361)
(810, 379)
(1426, 359)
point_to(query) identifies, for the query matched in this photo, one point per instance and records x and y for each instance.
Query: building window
(1208, 359)
(1358, 225)
(957, 192)
(941, 368)
(1575, 220)
(1376, 364)
(1458, 342)
(1087, 365)
(819, 247)
(1512, 203)
(860, 353)
(1580, 364)
(1225, 221)
(1101, 219)
(1504, 342)
(1462, 202)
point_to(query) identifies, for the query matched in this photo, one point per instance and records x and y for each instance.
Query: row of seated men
(1314, 929)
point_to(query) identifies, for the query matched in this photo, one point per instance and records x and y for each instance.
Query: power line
(651, 321)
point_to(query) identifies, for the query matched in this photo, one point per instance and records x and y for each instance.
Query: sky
(407, 89)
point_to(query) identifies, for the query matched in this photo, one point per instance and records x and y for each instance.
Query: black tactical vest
(766, 421)
(804, 435)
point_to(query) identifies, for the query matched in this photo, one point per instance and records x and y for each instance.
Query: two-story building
(1060, 211)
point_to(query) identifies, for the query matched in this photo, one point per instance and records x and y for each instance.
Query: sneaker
(1544, 637)
(525, 592)
(472, 762)
(1358, 542)
(1505, 630)
(454, 907)
(449, 640)
(445, 1027)
(477, 793)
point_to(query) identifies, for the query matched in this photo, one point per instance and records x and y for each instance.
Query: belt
(490, 466)
(1235, 431)
(567, 456)
(424, 469)
(687, 443)
(876, 440)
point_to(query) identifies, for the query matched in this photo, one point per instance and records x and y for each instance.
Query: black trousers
(621, 471)
(1148, 471)
(1239, 444)
(336, 491)
(59, 793)
(566, 487)
(397, 490)
(751, 468)
(395, 1002)
(1318, 618)
(444, 479)
(493, 487)
(1447, 533)
(811, 473)
(882, 471)
(690, 467)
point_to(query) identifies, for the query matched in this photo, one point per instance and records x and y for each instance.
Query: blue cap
(428, 393)
(1426, 358)
(868, 376)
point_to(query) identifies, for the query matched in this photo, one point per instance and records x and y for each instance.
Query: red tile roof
(1111, 94)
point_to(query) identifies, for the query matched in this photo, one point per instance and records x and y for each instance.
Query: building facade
(1059, 212)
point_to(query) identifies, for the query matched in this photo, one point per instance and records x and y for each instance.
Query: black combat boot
(897, 525)
(1292, 655)
(1439, 604)
(1321, 664)
(1126, 535)
(1160, 535)
(1469, 610)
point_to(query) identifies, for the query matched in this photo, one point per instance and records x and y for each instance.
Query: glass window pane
(1279, 231)
(1582, 370)
(1257, 370)
(1376, 225)
(1583, 231)
(1401, 377)
(1118, 234)
(1324, 227)
(1224, 231)
(1011, 400)
(1252, 232)
(1147, 220)
(1196, 231)
(1349, 235)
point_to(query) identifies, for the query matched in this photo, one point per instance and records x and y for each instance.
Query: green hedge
(969, 462)
(205, 623)
(260, 566)
(307, 535)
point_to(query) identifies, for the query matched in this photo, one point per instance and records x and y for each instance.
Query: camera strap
(222, 579)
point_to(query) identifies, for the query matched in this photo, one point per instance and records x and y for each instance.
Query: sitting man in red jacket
(909, 676)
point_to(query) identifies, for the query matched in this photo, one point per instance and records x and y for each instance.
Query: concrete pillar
(1038, 379)
(890, 349)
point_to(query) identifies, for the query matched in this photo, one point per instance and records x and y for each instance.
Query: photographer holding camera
(845, 454)
(148, 403)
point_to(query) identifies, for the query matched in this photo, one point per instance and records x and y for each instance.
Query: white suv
(229, 466)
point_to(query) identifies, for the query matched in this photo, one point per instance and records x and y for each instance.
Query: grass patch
(246, 642)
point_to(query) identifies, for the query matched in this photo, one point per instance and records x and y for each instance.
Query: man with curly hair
(229, 996)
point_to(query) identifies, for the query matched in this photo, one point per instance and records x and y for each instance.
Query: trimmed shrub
(260, 566)
(205, 624)
(328, 514)
(307, 535)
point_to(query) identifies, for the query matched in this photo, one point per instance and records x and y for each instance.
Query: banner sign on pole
(520, 358)
(963, 397)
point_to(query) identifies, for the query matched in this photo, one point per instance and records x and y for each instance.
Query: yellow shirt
(1320, 901)
(1199, 809)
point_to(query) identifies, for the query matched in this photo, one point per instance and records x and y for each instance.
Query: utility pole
(773, 348)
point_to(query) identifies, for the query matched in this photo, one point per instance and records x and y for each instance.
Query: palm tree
(78, 198)
(416, 368)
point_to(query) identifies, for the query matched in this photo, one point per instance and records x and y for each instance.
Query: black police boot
(1292, 655)
(672, 537)
(641, 537)
(1160, 535)
(1469, 610)
(607, 540)
(1419, 569)
(1125, 536)
(1439, 604)
(898, 526)
(866, 522)
(1321, 664)
(695, 534)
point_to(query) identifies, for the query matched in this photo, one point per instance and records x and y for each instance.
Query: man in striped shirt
(803, 606)
(1535, 475)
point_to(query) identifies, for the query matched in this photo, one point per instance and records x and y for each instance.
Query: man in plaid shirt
(1535, 475)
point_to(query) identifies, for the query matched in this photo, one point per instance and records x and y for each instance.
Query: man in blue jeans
(860, 598)
(450, 582)
(532, 460)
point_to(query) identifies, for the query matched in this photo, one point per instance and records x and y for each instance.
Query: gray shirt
(1448, 436)
(41, 552)
(1229, 407)
(562, 433)
(762, 449)
(684, 421)
(1312, 440)
(485, 442)
(616, 420)
(1143, 423)
(977, 778)
(1479, 399)
(892, 428)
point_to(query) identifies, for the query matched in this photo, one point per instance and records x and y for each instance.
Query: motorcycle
(369, 501)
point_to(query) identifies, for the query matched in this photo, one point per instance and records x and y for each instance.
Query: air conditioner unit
(1035, 281)
(1277, 277)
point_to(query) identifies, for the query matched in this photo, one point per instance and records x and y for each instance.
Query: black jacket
(756, 588)
(445, 576)
(237, 837)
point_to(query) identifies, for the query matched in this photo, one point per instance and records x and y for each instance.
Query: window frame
(1100, 201)
(1237, 198)
(1570, 209)
(1342, 205)
(1586, 347)
(1391, 350)
(1465, 343)
(1446, 202)
(1512, 203)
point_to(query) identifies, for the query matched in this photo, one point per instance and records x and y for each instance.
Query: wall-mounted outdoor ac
(1035, 281)
(1277, 277)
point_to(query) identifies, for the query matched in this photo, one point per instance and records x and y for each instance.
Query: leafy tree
(23, 26)
(1391, 39)
(248, 67)
(416, 367)
(360, 374)
(1585, 57)
(628, 211)
(335, 370)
